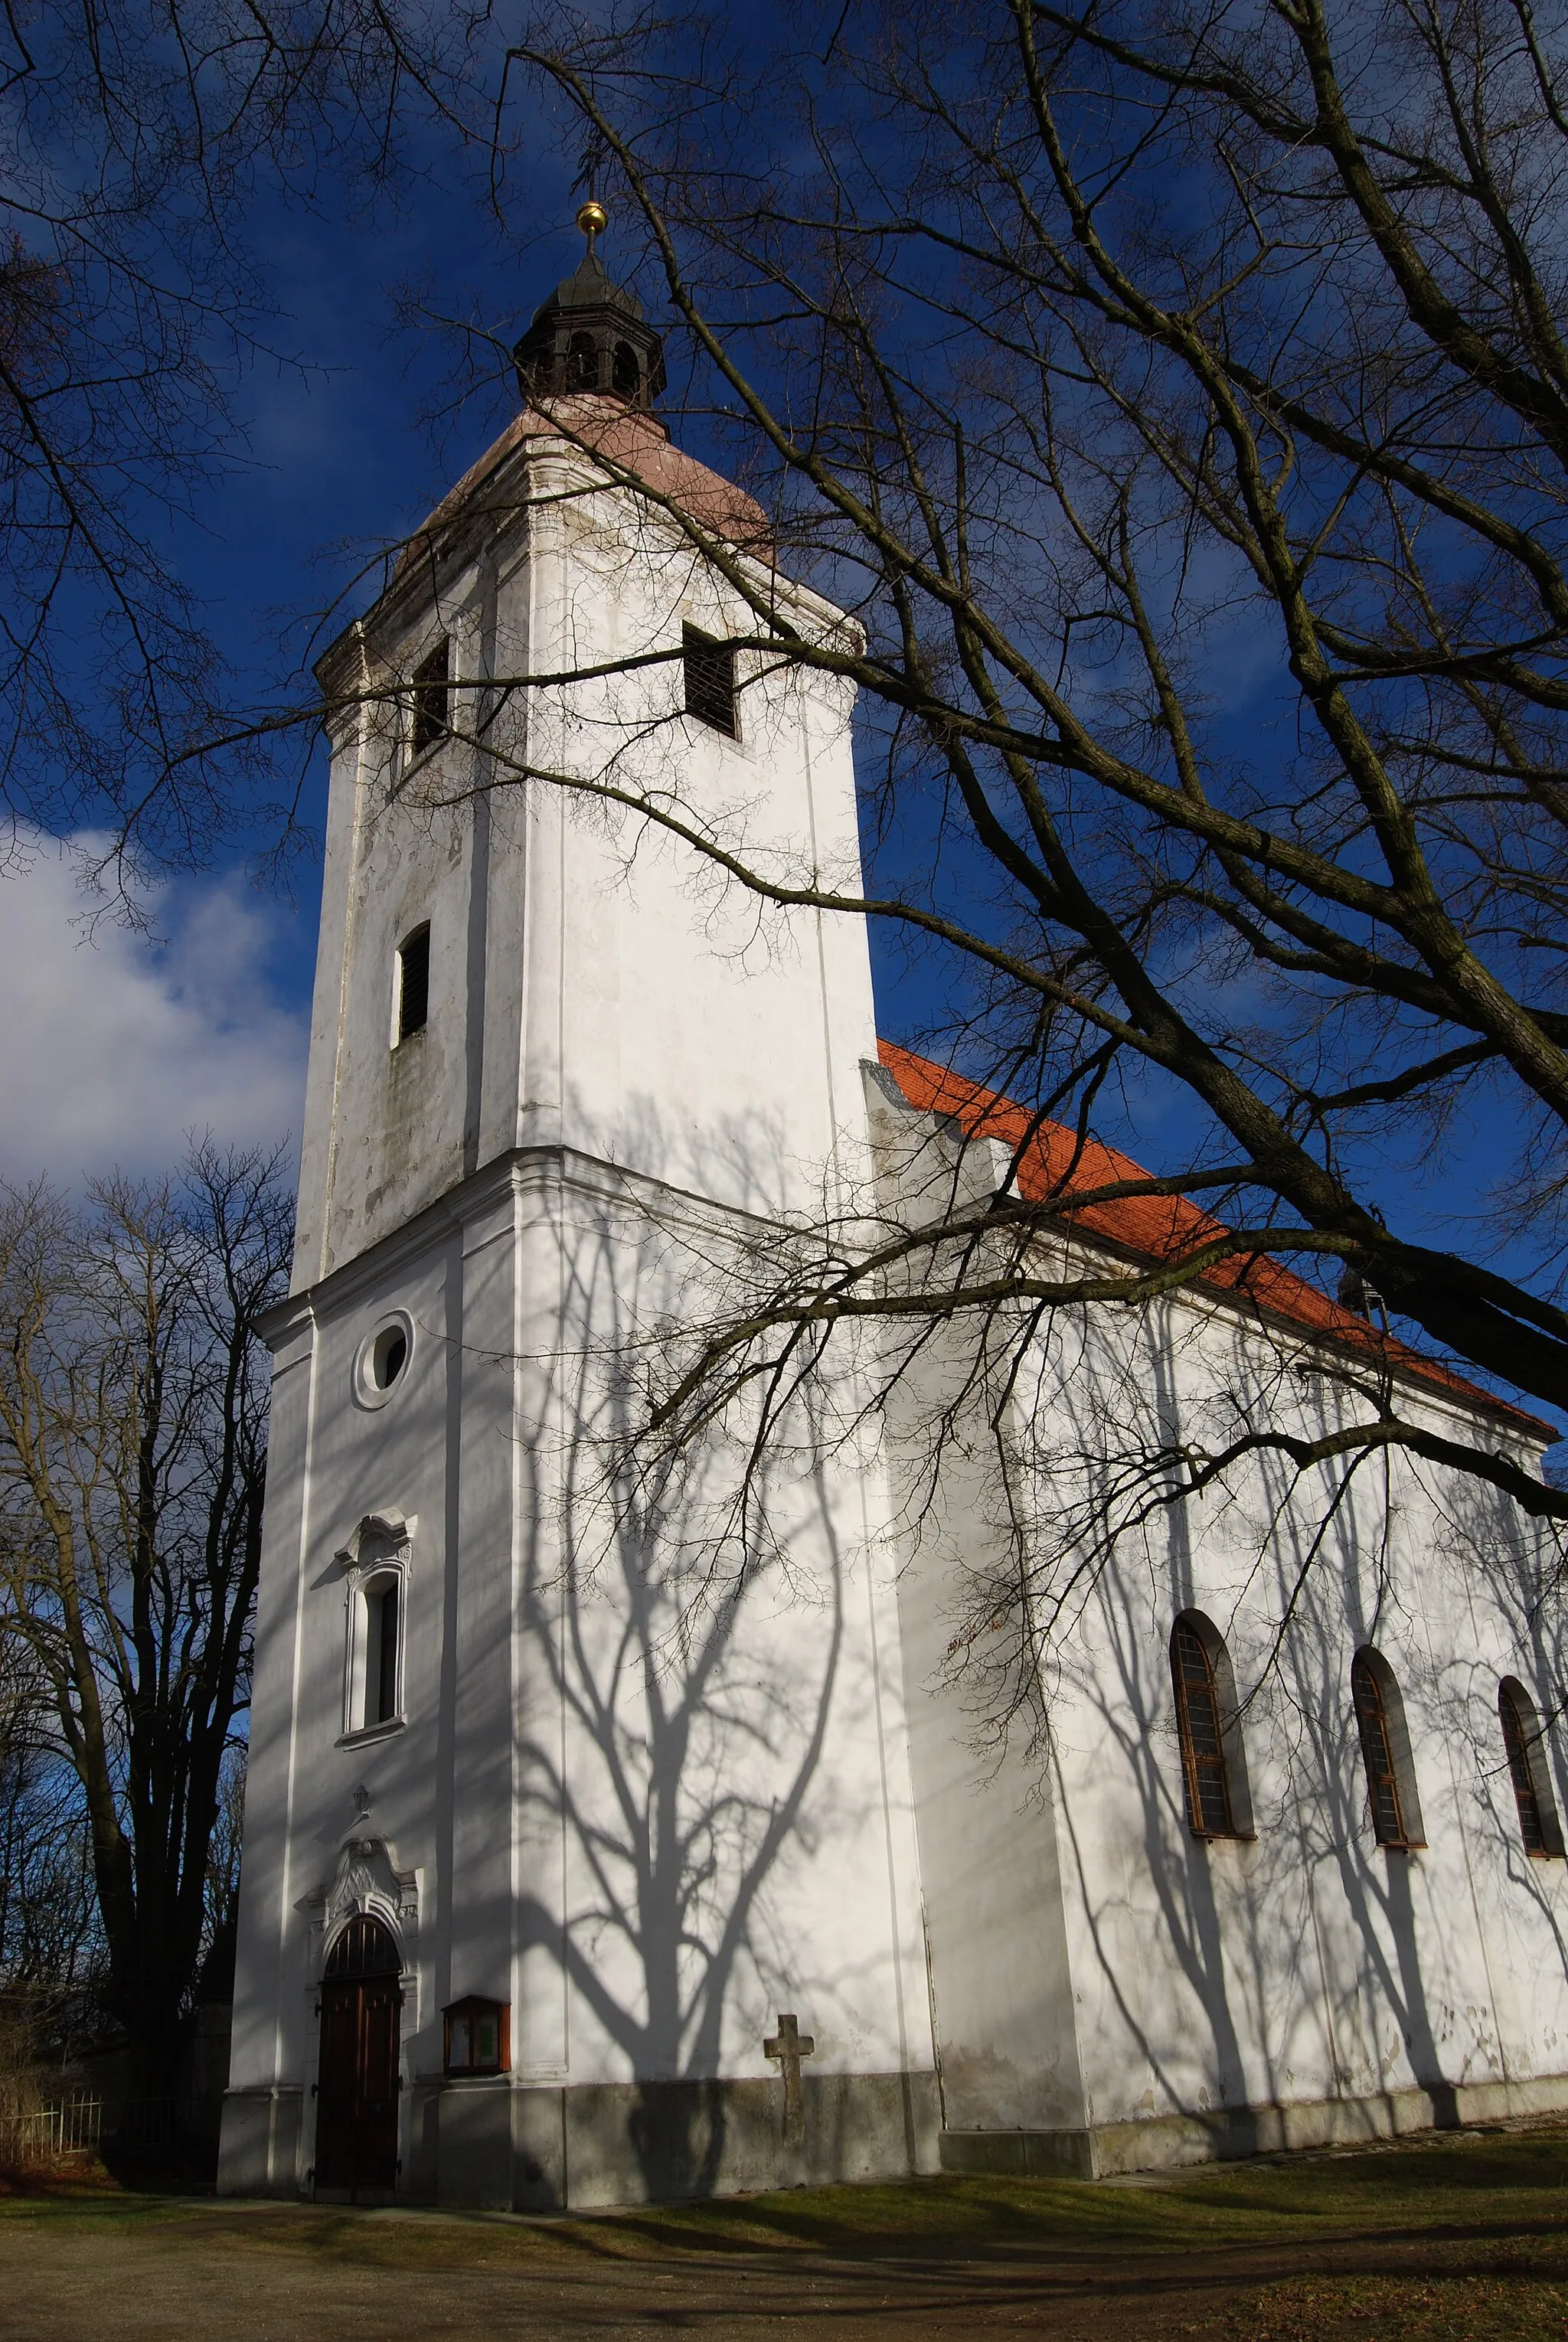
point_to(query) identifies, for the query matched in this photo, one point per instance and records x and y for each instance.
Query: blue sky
(130, 1040)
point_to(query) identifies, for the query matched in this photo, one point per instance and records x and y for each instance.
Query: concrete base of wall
(1166, 2142)
(258, 2148)
(503, 2146)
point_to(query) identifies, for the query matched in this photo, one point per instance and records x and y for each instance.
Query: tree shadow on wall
(684, 1623)
(1282, 1983)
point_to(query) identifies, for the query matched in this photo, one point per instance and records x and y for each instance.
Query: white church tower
(579, 1857)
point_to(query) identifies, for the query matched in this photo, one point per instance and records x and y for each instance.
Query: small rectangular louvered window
(710, 680)
(431, 690)
(414, 983)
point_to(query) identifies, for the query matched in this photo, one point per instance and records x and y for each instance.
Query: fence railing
(70, 2124)
(53, 2131)
(148, 2122)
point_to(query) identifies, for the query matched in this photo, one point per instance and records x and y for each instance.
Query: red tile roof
(1158, 1228)
(632, 442)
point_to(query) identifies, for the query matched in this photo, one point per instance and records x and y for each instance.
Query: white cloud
(113, 1049)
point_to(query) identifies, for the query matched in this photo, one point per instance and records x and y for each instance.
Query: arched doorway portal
(356, 2085)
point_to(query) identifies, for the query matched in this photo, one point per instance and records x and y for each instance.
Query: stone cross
(787, 2046)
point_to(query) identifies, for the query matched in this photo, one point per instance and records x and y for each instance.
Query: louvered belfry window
(1204, 1772)
(414, 982)
(1517, 1736)
(710, 680)
(1388, 1820)
(431, 687)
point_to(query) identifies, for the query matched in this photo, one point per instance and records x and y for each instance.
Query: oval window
(381, 1363)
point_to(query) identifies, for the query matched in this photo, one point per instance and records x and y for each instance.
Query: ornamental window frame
(376, 1565)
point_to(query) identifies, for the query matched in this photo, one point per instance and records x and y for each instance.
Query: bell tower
(591, 335)
(600, 1830)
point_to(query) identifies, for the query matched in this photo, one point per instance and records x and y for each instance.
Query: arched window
(1525, 1748)
(1214, 1769)
(364, 1948)
(582, 363)
(627, 376)
(375, 1640)
(1386, 1751)
(383, 1603)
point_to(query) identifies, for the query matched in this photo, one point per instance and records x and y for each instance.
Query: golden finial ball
(592, 218)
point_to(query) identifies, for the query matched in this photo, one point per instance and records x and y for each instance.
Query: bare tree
(132, 1413)
(49, 1937)
(142, 144)
(1176, 396)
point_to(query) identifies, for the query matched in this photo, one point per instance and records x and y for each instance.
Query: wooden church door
(356, 2084)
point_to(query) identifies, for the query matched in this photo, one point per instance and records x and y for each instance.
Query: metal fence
(53, 2131)
(148, 2122)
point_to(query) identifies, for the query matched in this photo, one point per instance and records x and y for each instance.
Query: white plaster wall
(1092, 1962)
(715, 1747)
(1305, 1963)
(594, 1762)
(593, 984)
(1308, 1962)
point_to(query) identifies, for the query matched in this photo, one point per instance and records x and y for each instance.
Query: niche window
(478, 2037)
(1385, 1752)
(414, 982)
(582, 363)
(430, 695)
(375, 1650)
(710, 680)
(626, 378)
(1525, 1748)
(1213, 1770)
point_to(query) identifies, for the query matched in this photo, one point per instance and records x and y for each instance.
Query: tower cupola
(591, 335)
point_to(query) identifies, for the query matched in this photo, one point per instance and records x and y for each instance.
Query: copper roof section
(632, 443)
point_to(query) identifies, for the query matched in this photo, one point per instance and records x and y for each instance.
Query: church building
(611, 1836)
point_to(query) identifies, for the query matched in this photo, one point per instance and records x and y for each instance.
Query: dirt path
(180, 2285)
(1370, 2247)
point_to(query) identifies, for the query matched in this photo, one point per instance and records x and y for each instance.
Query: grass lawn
(1458, 2235)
